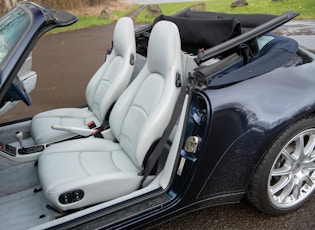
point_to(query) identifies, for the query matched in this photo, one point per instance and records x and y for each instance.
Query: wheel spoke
(284, 181)
(299, 148)
(296, 191)
(309, 148)
(286, 192)
(284, 170)
(309, 166)
(308, 180)
(288, 157)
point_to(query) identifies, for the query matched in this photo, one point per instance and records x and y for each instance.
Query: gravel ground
(243, 216)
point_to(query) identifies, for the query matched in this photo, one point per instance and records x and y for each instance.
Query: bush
(62, 4)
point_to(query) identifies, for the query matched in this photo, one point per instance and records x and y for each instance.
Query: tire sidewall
(261, 178)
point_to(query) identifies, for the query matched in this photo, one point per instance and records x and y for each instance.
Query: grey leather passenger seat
(102, 91)
(83, 172)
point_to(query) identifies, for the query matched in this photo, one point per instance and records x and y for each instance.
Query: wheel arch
(283, 129)
(263, 189)
(248, 139)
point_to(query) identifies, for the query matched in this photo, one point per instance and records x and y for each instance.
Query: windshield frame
(24, 45)
(42, 19)
(13, 27)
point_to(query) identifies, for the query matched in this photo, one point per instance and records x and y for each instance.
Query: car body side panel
(246, 118)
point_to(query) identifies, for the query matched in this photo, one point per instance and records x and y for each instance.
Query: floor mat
(24, 210)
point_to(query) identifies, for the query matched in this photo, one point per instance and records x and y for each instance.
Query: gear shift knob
(19, 137)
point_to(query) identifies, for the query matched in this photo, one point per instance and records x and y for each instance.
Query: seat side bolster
(96, 189)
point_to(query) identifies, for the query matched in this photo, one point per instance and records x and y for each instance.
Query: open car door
(19, 31)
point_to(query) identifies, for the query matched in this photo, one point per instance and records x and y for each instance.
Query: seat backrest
(143, 111)
(114, 75)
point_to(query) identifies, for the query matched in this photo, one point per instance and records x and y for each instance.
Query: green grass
(88, 21)
(167, 9)
(83, 22)
(306, 8)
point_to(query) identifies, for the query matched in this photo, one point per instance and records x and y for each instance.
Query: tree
(8, 4)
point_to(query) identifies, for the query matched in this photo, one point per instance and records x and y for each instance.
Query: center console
(8, 149)
(21, 154)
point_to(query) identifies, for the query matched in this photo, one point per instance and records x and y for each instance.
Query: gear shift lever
(19, 137)
(28, 150)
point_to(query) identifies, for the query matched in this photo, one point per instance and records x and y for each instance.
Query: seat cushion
(74, 117)
(101, 175)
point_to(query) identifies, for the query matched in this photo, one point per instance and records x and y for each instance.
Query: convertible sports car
(195, 110)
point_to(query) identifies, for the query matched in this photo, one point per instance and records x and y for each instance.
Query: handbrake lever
(80, 131)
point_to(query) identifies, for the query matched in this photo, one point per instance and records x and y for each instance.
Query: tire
(285, 178)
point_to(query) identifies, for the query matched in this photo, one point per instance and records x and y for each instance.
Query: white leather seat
(100, 169)
(102, 91)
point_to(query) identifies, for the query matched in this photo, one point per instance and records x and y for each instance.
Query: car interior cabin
(49, 173)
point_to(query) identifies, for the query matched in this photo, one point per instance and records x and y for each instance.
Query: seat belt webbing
(154, 156)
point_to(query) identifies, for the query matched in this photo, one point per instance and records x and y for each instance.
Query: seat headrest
(124, 29)
(162, 46)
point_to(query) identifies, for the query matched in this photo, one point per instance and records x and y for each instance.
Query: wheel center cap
(297, 167)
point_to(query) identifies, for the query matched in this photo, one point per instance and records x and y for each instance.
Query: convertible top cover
(243, 59)
(276, 53)
(195, 33)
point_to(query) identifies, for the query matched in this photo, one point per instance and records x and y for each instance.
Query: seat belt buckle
(98, 134)
(91, 125)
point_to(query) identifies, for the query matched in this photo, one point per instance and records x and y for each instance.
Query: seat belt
(104, 126)
(155, 155)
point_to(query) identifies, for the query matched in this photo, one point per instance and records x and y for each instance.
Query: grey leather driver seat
(79, 173)
(102, 91)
